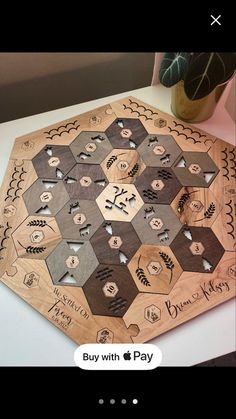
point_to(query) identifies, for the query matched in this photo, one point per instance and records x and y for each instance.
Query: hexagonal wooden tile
(159, 150)
(45, 197)
(197, 249)
(195, 169)
(155, 269)
(85, 181)
(53, 162)
(90, 147)
(36, 237)
(99, 290)
(115, 242)
(157, 185)
(123, 166)
(196, 206)
(119, 202)
(79, 264)
(79, 219)
(156, 224)
(126, 133)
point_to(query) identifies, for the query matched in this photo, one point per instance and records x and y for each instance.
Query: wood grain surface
(118, 225)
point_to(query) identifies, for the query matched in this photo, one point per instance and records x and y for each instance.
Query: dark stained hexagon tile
(53, 162)
(78, 264)
(85, 181)
(126, 133)
(44, 195)
(159, 150)
(157, 185)
(195, 169)
(112, 240)
(90, 147)
(79, 219)
(197, 249)
(110, 290)
(156, 224)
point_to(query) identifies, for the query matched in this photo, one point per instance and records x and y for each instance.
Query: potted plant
(197, 81)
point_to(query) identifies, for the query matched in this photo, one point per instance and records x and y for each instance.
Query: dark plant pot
(194, 110)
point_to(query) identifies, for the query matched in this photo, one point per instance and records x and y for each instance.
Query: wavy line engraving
(144, 107)
(231, 222)
(62, 132)
(139, 114)
(225, 152)
(178, 133)
(188, 128)
(5, 237)
(61, 126)
(233, 160)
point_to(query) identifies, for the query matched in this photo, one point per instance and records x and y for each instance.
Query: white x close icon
(215, 20)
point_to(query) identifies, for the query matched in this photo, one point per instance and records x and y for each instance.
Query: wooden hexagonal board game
(119, 224)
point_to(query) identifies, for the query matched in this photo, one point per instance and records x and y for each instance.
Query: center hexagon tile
(90, 147)
(159, 150)
(157, 185)
(195, 169)
(112, 239)
(79, 219)
(85, 181)
(79, 264)
(110, 290)
(119, 202)
(197, 249)
(53, 162)
(126, 133)
(155, 269)
(36, 237)
(156, 224)
(42, 195)
(123, 166)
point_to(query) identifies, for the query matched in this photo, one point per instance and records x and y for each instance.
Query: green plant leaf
(174, 67)
(206, 71)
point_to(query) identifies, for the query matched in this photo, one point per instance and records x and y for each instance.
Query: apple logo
(127, 356)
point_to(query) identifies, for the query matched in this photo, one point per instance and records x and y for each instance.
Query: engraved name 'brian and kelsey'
(207, 291)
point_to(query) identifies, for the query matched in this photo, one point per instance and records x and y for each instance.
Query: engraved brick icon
(159, 150)
(9, 211)
(46, 196)
(95, 120)
(105, 336)
(115, 242)
(160, 123)
(197, 248)
(126, 133)
(90, 147)
(110, 289)
(27, 145)
(79, 218)
(72, 262)
(157, 185)
(196, 206)
(123, 165)
(156, 223)
(85, 181)
(37, 236)
(154, 268)
(152, 313)
(31, 279)
(194, 168)
(54, 161)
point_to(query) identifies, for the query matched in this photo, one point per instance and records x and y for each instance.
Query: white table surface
(27, 338)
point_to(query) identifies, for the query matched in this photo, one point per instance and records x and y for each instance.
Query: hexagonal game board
(119, 224)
